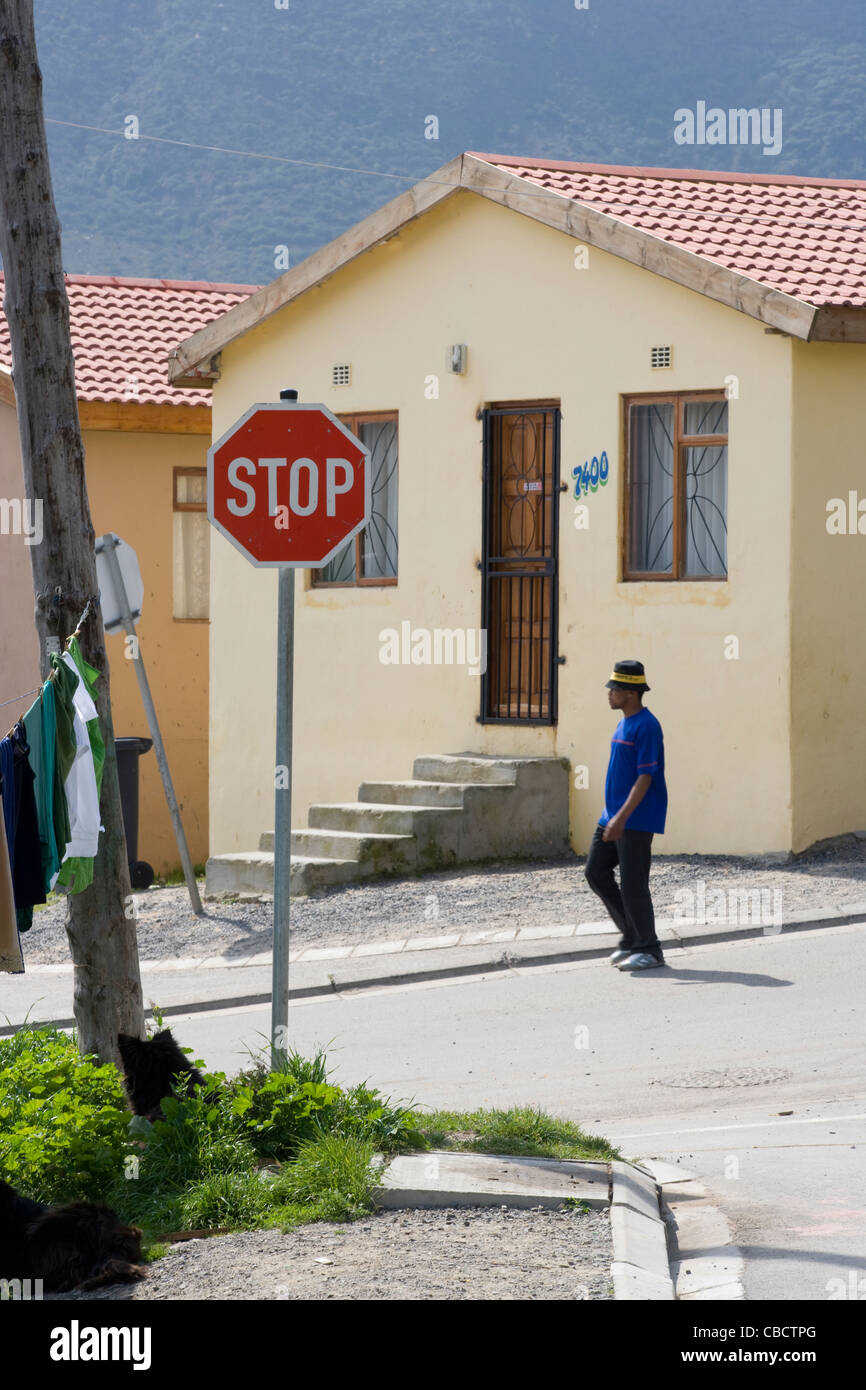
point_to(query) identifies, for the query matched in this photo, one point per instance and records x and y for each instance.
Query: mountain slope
(340, 83)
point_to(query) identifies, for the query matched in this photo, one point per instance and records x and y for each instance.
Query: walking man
(635, 806)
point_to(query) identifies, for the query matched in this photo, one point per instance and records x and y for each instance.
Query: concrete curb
(471, 953)
(454, 1178)
(451, 1178)
(671, 934)
(704, 1263)
(640, 1269)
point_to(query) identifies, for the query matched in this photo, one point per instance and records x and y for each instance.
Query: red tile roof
(124, 329)
(803, 236)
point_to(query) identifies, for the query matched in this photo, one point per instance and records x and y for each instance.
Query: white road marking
(755, 1124)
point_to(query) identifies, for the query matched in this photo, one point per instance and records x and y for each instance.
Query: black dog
(80, 1245)
(150, 1067)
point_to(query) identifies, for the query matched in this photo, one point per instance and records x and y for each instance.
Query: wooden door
(519, 563)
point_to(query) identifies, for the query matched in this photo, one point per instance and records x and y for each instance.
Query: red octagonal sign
(288, 484)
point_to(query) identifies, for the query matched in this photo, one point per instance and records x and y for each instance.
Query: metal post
(109, 544)
(283, 814)
(283, 805)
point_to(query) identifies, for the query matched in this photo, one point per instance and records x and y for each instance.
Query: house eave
(385, 222)
(192, 360)
(839, 323)
(586, 224)
(135, 417)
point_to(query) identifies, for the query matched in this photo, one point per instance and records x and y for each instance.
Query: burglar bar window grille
(371, 557)
(520, 564)
(676, 499)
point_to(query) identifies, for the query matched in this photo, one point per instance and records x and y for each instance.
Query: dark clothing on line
(25, 850)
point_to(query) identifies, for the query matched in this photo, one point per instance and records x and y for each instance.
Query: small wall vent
(341, 374)
(662, 356)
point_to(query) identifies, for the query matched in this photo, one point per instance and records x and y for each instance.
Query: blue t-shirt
(637, 747)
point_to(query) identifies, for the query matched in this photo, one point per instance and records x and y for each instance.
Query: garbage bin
(129, 750)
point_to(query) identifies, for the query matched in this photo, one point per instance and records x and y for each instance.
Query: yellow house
(626, 409)
(146, 445)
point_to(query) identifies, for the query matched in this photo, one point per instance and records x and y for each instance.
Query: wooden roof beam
(378, 227)
(196, 360)
(587, 224)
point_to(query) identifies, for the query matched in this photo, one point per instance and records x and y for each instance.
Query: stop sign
(288, 484)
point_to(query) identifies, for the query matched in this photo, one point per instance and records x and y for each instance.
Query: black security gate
(519, 563)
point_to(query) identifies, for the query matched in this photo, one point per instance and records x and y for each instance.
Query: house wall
(19, 647)
(129, 480)
(828, 654)
(536, 328)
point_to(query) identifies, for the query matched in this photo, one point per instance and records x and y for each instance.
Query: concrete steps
(254, 873)
(473, 767)
(412, 793)
(384, 852)
(456, 809)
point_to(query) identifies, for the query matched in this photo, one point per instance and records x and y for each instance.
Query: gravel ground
(497, 895)
(451, 1253)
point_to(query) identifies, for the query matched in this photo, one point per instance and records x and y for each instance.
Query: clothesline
(22, 696)
(78, 626)
(51, 767)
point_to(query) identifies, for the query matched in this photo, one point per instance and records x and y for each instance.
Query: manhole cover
(726, 1080)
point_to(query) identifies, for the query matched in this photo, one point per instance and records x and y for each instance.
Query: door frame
(487, 414)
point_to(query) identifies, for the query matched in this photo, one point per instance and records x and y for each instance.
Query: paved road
(628, 1056)
(606, 1050)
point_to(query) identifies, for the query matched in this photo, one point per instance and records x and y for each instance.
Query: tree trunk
(101, 937)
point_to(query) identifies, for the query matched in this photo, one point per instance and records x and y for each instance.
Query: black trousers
(629, 902)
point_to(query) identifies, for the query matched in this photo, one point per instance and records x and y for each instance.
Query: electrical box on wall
(457, 354)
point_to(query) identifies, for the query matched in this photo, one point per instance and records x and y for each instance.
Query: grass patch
(331, 1179)
(225, 1201)
(155, 1251)
(525, 1131)
(265, 1148)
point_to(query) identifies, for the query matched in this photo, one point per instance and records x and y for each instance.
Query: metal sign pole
(109, 544)
(283, 806)
(338, 507)
(283, 815)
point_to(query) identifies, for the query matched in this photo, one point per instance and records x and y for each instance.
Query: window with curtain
(191, 546)
(371, 557)
(676, 496)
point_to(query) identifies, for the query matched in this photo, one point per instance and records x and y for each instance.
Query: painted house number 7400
(592, 475)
